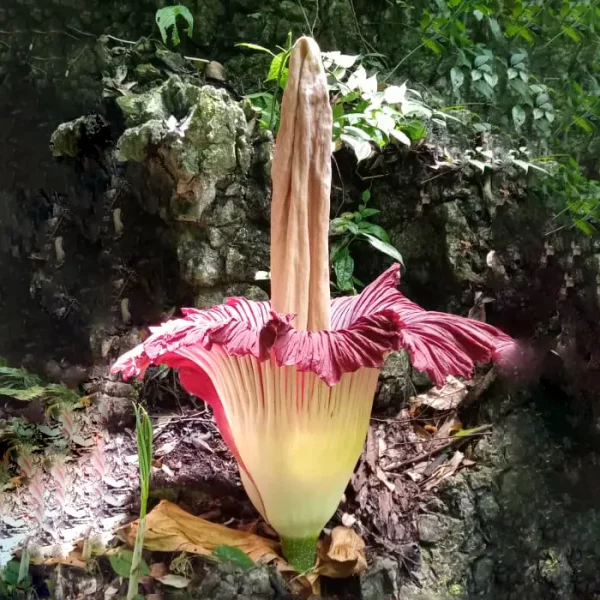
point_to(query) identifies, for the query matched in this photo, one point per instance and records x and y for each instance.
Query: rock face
(167, 204)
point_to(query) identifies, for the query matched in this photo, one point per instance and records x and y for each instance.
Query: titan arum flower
(291, 382)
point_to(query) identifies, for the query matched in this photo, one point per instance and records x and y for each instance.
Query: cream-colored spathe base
(298, 438)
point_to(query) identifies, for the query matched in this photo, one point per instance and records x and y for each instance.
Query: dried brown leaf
(448, 397)
(341, 555)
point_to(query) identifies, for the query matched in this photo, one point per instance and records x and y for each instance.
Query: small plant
(166, 19)
(15, 581)
(144, 444)
(268, 101)
(368, 114)
(349, 228)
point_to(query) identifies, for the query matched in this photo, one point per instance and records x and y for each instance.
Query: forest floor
(68, 512)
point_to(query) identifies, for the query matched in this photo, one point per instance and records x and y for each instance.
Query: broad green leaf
(457, 77)
(524, 75)
(362, 149)
(478, 15)
(10, 574)
(550, 116)
(233, 555)
(432, 45)
(476, 75)
(31, 393)
(517, 59)
(584, 124)
(341, 60)
(415, 130)
(395, 94)
(338, 226)
(376, 230)
(573, 34)
(538, 113)
(352, 227)
(491, 79)
(366, 196)
(584, 226)
(519, 116)
(526, 34)
(255, 47)
(121, 560)
(512, 73)
(166, 18)
(343, 266)
(484, 89)
(277, 68)
(384, 247)
(357, 132)
(480, 165)
(400, 136)
(495, 28)
(369, 212)
(482, 59)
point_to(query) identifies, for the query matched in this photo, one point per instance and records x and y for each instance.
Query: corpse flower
(291, 382)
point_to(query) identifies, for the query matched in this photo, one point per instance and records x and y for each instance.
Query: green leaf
(517, 59)
(518, 115)
(478, 15)
(343, 266)
(11, 573)
(338, 226)
(352, 227)
(573, 34)
(538, 113)
(366, 196)
(512, 73)
(484, 89)
(415, 129)
(482, 59)
(383, 247)
(526, 34)
(254, 47)
(495, 28)
(121, 560)
(491, 79)
(584, 124)
(550, 116)
(365, 213)
(457, 77)
(233, 555)
(524, 75)
(375, 230)
(476, 75)
(31, 393)
(362, 149)
(278, 70)
(432, 45)
(167, 17)
(400, 136)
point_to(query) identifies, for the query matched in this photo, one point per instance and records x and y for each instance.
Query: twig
(426, 455)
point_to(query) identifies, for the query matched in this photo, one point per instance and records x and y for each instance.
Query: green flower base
(301, 553)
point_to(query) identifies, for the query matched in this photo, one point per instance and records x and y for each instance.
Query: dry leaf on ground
(171, 529)
(444, 471)
(448, 397)
(341, 555)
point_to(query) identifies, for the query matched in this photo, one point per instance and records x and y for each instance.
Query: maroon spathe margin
(365, 329)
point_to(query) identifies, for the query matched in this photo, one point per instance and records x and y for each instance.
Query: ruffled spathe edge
(365, 329)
